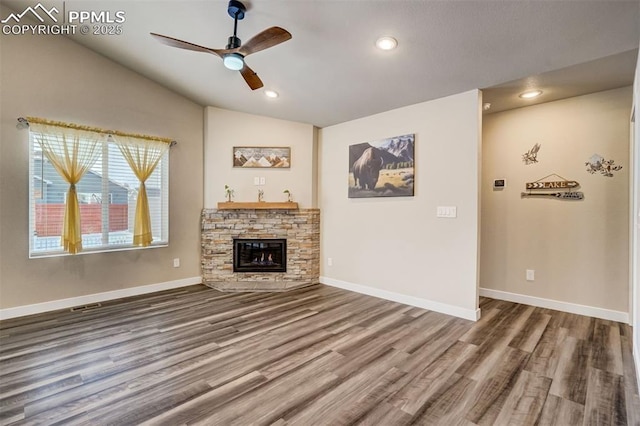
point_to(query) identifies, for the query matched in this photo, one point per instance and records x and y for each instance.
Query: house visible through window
(107, 196)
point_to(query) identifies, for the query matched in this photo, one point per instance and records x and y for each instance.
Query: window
(107, 196)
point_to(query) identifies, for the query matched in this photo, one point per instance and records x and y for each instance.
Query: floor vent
(85, 307)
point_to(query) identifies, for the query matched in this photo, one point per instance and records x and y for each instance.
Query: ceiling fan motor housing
(234, 42)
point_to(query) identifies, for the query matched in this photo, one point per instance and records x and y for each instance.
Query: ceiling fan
(233, 55)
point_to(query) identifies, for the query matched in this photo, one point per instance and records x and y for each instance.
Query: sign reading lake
(383, 168)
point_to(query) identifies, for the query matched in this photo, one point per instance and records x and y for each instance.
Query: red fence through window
(49, 218)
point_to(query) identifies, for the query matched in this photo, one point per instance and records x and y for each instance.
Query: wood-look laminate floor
(313, 356)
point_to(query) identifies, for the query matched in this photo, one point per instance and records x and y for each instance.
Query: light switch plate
(447, 211)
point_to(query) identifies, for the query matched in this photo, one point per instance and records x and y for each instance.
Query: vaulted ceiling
(331, 71)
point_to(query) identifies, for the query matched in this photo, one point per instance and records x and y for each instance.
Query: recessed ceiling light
(271, 94)
(531, 94)
(386, 43)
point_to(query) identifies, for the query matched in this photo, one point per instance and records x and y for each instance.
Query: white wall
(225, 129)
(396, 247)
(55, 78)
(636, 164)
(578, 249)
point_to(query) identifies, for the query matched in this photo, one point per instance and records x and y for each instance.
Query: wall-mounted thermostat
(499, 183)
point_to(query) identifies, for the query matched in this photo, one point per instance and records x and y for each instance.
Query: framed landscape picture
(262, 157)
(383, 168)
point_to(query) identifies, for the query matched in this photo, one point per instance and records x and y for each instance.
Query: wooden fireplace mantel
(262, 205)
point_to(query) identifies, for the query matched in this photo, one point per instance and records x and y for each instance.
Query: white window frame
(159, 241)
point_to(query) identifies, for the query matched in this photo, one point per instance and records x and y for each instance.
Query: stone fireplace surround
(301, 228)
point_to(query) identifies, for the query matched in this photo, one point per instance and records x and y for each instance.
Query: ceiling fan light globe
(233, 61)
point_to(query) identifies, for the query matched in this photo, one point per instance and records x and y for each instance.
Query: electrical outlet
(262, 181)
(256, 181)
(329, 261)
(176, 262)
(531, 275)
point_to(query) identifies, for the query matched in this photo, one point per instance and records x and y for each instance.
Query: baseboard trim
(557, 305)
(54, 305)
(431, 305)
(636, 358)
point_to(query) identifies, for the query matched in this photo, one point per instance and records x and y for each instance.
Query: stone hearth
(301, 228)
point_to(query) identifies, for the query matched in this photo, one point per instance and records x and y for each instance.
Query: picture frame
(382, 168)
(262, 157)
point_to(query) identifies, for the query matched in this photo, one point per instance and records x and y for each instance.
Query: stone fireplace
(223, 229)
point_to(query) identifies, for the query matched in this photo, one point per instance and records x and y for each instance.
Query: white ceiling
(330, 72)
(601, 74)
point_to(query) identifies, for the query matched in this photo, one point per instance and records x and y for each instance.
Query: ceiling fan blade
(251, 77)
(267, 38)
(181, 44)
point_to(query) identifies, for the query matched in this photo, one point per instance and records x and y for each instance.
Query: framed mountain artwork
(262, 157)
(383, 168)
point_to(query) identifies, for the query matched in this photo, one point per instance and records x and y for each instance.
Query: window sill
(46, 254)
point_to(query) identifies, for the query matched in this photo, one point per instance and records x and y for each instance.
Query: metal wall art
(545, 184)
(597, 163)
(531, 156)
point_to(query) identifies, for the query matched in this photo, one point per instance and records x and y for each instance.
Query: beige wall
(636, 194)
(225, 129)
(398, 245)
(54, 78)
(578, 249)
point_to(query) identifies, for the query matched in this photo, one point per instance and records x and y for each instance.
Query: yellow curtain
(143, 156)
(72, 152)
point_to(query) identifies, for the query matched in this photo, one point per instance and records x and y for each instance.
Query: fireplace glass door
(262, 255)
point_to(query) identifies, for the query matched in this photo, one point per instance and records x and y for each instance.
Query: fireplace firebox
(261, 255)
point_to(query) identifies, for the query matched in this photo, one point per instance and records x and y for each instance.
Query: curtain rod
(24, 122)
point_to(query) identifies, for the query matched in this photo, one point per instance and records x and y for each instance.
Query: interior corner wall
(635, 322)
(578, 249)
(225, 129)
(396, 247)
(55, 78)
